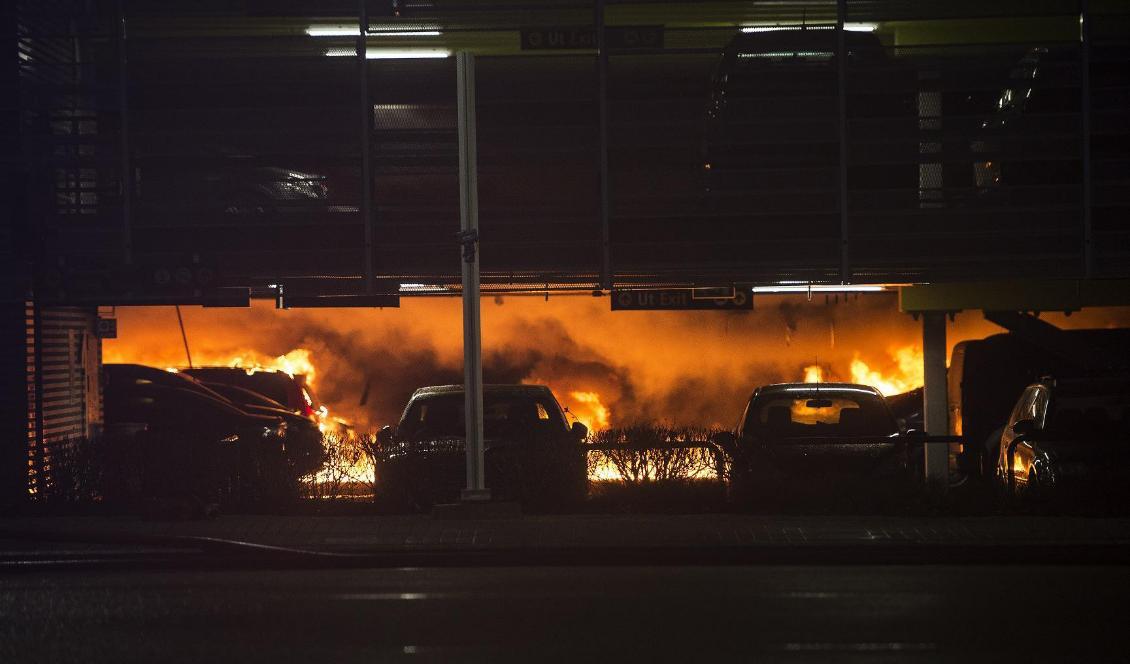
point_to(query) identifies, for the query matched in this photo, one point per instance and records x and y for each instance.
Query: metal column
(362, 50)
(1085, 91)
(841, 100)
(934, 404)
(469, 240)
(126, 163)
(602, 101)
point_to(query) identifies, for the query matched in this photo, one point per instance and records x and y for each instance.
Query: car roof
(490, 389)
(812, 388)
(213, 371)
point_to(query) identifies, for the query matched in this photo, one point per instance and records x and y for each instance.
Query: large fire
(611, 369)
(588, 410)
(901, 374)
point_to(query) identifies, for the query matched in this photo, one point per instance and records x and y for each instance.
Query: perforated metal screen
(706, 143)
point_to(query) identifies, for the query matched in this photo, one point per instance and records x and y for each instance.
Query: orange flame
(902, 374)
(295, 363)
(591, 412)
(906, 374)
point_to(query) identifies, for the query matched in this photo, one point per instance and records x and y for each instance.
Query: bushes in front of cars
(655, 468)
(653, 453)
(165, 473)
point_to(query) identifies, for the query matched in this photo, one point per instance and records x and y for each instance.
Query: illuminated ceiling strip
(821, 288)
(850, 27)
(390, 53)
(352, 30)
(788, 54)
(421, 288)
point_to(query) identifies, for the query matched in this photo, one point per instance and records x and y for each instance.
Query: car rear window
(798, 415)
(443, 415)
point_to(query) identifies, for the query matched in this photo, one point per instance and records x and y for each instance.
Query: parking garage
(810, 171)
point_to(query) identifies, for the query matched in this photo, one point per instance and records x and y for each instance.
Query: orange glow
(295, 363)
(903, 376)
(688, 368)
(604, 469)
(901, 373)
(589, 411)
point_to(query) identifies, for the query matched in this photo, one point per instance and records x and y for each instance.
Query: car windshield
(504, 415)
(815, 414)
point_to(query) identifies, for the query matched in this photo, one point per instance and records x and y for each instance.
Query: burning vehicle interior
(559, 329)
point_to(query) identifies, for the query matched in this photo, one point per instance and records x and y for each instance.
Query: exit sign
(681, 299)
(620, 37)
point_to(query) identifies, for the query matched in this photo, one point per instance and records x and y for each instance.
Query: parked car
(135, 393)
(771, 115)
(303, 444)
(229, 181)
(532, 455)
(806, 439)
(173, 441)
(290, 391)
(985, 375)
(1068, 439)
(1038, 106)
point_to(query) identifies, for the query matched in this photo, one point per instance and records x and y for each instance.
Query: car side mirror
(726, 440)
(1024, 427)
(579, 430)
(386, 434)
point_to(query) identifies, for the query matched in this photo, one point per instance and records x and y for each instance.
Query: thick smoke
(694, 368)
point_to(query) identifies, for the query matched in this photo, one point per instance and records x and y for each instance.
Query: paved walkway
(421, 533)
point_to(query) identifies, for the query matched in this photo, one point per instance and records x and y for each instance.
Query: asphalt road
(793, 613)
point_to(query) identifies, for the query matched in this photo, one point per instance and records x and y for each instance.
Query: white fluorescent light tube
(351, 30)
(850, 27)
(820, 288)
(421, 288)
(407, 33)
(390, 53)
(333, 30)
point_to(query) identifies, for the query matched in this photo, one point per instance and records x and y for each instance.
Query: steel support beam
(366, 143)
(841, 116)
(603, 193)
(935, 408)
(1085, 91)
(126, 163)
(469, 241)
(1026, 295)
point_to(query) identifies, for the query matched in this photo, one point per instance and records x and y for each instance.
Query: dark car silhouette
(290, 391)
(771, 119)
(1068, 440)
(173, 440)
(806, 439)
(303, 443)
(532, 455)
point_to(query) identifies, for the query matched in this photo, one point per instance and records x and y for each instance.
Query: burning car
(825, 439)
(531, 454)
(290, 391)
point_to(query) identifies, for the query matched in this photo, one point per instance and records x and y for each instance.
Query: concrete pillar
(935, 409)
(469, 240)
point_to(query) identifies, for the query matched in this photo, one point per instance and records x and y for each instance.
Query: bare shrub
(653, 453)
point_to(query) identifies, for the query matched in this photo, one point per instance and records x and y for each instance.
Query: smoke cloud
(692, 368)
